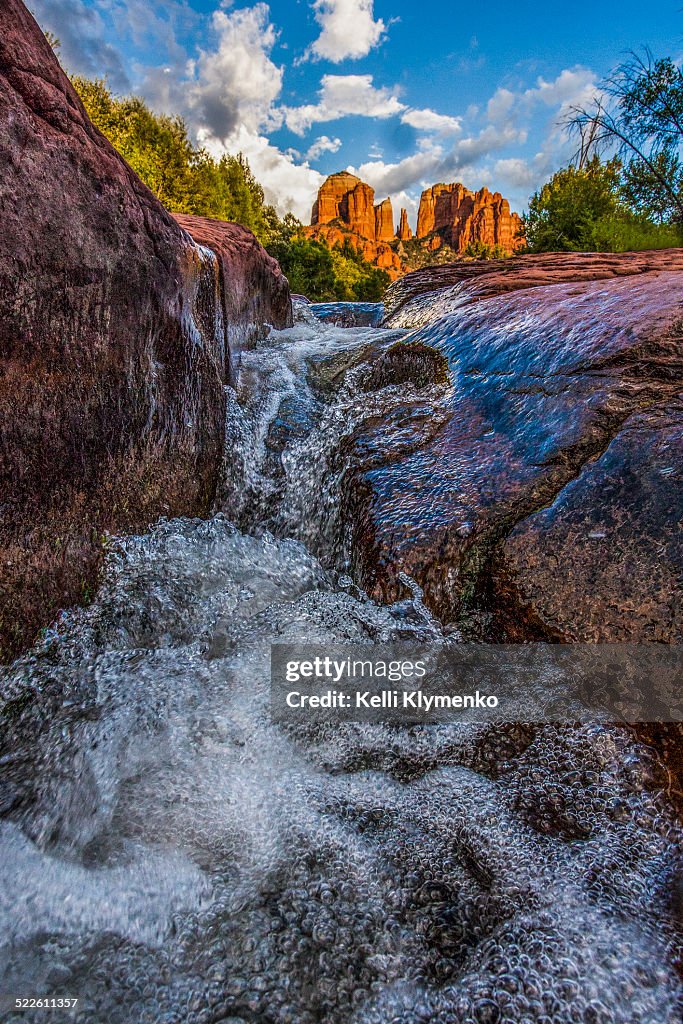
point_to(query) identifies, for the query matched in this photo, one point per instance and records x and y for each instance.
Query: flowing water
(167, 854)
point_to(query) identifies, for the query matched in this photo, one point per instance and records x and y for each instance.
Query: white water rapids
(170, 856)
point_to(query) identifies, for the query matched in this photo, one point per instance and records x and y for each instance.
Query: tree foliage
(187, 179)
(184, 178)
(482, 251)
(327, 275)
(590, 209)
(638, 115)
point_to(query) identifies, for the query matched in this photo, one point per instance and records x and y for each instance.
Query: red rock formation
(384, 222)
(455, 216)
(345, 211)
(345, 198)
(332, 197)
(380, 254)
(404, 232)
(449, 215)
(112, 344)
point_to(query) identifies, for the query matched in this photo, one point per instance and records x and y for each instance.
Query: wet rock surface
(112, 344)
(255, 292)
(421, 297)
(349, 314)
(559, 461)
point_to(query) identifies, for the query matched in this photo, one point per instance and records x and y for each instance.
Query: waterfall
(167, 853)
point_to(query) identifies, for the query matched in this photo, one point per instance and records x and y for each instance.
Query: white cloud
(544, 105)
(430, 121)
(237, 83)
(323, 145)
(432, 163)
(344, 96)
(410, 203)
(517, 173)
(399, 177)
(349, 30)
(289, 186)
(500, 105)
(570, 86)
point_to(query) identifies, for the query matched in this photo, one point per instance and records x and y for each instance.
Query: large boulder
(255, 291)
(544, 486)
(113, 349)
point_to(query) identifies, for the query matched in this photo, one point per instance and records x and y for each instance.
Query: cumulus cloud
(433, 162)
(236, 83)
(349, 30)
(572, 86)
(344, 96)
(323, 145)
(81, 31)
(229, 87)
(430, 121)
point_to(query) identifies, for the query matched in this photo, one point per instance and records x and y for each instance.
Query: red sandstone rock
(379, 253)
(255, 292)
(550, 486)
(460, 217)
(384, 222)
(404, 231)
(345, 198)
(330, 203)
(361, 211)
(345, 211)
(112, 345)
(462, 283)
(449, 215)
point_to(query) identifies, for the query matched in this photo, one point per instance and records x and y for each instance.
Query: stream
(169, 855)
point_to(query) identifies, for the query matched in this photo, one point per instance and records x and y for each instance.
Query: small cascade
(168, 854)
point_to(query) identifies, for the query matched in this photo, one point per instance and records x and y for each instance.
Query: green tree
(481, 251)
(185, 179)
(563, 214)
(309, 268)
(638, 114)
(592, 209)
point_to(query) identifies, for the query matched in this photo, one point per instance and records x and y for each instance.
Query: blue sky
(404, 93)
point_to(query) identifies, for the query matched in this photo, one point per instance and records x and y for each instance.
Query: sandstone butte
(449, 215)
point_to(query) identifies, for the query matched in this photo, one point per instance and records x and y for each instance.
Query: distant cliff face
(453, 215)
(345, 208)
(450, 215)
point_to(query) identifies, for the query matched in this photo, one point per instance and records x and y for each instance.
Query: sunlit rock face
(454, 215)
(450, 215)
(345, 211)
(345, 198)
(404, 231)
(384, 222)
